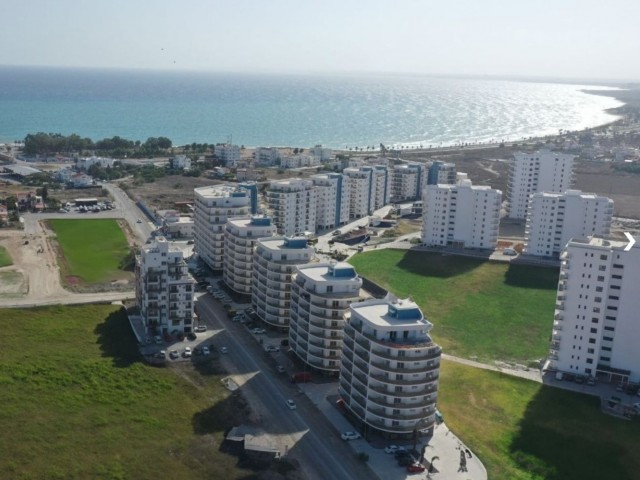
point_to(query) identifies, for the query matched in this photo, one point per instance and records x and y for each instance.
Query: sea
(336, 111)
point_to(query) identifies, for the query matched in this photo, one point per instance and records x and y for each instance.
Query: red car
(415, 468)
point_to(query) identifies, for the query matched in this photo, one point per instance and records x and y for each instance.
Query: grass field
(522, 430)
(5, 258)
(78, 403)
(93, 249)
(486, 309)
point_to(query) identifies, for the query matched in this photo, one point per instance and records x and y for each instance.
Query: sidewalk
(444, 444)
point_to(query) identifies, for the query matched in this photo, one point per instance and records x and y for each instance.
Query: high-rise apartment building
(213, 207)
(441, 173)
(542, 171)
(555, 218)
(461, 215)
(390, 367)
(164, 288)
(407, 182)
(292, 203)
(240, 237)
(332, 200)
(274, 262)
(596, 331)
(320, 296)
(228, 154)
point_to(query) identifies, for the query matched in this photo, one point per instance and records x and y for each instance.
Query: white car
(205, 350)
(174, 354)
(350, 435)
(224, 350)
(272, 348)
(393, 449)
(258, 331)
(291, 404)
(187, 352)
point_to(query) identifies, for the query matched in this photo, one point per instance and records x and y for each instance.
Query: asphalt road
(309, 437)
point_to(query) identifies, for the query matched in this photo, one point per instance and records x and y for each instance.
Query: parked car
(415, 468)
(272, 348)
(201, 328)
(350, 435)
(205, 350)
(138, 221)
(392, 449)
(174, 354)
(191, 336)
(405, 460)
(291, 404)
(224, 350)
(280, 369)
(258, 331)
(161, 354)
(187, 352)
(158, 340)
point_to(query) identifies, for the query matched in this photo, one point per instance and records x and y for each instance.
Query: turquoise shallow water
(256, 110)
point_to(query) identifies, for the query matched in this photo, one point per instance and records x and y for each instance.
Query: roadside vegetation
(79, 403)
(488, 310)
(522, 430)
(92, 250)
(5, 258)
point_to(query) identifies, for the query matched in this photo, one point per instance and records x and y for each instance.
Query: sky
(553, 39)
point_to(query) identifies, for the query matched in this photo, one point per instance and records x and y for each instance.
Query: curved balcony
(382, 413)
(382, 401)
(406, 394)
(392, 369)
(421, 381)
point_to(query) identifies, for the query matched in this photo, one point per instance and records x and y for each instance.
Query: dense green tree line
(55, 143)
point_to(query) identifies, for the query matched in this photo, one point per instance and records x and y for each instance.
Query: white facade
(293, 205)
(85, 163)
(390, 366)
(359, 184)
(332, 200)
(555, 218)
(461, 215)
(543, 171)
(213, 207)
(407, 182)
(299, 161)
(596, 330)
(164, 288)
(274, 261)
(180, 162)
(320, 153)
(228, 154)
(267, 156)
(239, 240)
(380, 187)
(320, 296)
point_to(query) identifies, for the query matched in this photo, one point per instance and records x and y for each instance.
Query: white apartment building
(267, 156)
(332, 200)
(274, 261)
(299, 161)
(542, 171)
(555, 218)
(407, 182)
(322, 154)
(228, 154)
(164, 288)
(320, 296)
(240, 237)
(596, 330)
(359, 185)
(213, 207)
(380, 187)
(390, 366)
(84, 163)
(461, 215)
(180, 162)
(441, 173)
(293, 205)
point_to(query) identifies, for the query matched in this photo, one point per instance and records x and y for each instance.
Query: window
(592, 340)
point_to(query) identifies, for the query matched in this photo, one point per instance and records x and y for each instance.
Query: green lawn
(78, 403)
(523, 430)
(5, 258)
(93, 249)
(486, 309)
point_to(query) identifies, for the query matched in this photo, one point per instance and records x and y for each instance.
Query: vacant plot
(5, 258)
(12, 284)
(78, 403)
(524, 430)
(93, 250)
(494, 311)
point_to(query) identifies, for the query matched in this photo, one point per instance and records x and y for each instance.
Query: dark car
(405, 460)
(191, 336)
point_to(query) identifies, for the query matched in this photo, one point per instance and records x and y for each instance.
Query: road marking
(632, 241)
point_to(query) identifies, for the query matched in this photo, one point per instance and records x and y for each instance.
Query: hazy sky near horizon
(574, 39)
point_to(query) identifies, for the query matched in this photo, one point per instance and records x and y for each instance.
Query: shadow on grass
(116, 339)
(526, 276)
(438, 265)
(563, 435)
(222, 416)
